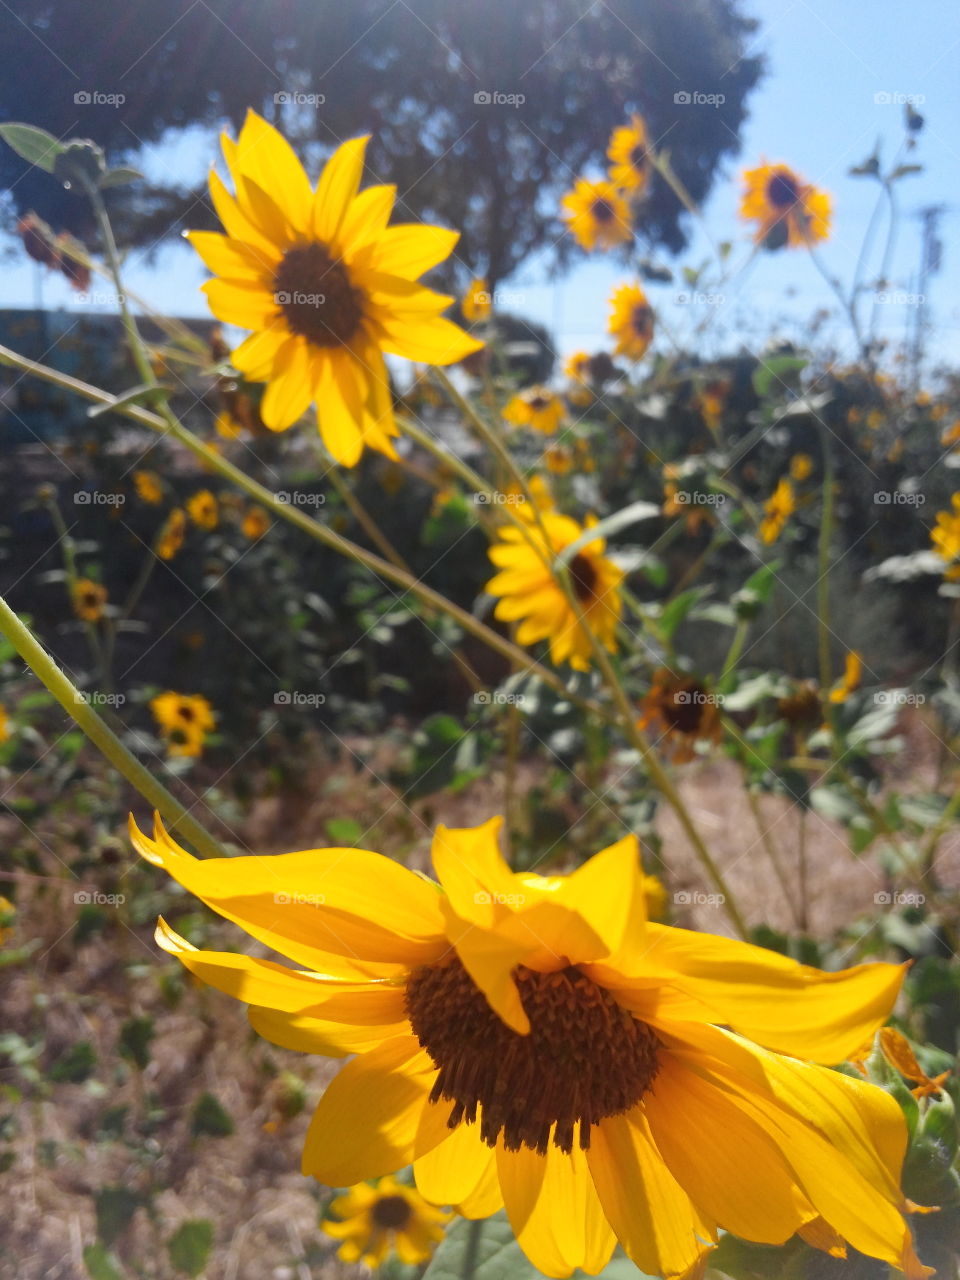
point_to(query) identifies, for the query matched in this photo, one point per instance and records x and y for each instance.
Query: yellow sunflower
(788, 211)
(171, 536)
(203, 510)
(88, 599)
(8, 915)
(5, 731)
(577, 367)
(326, 286)
(852, 676)
(476, 304)
(255, 523)
(629, 156)
(184, 720)
(388, 1215)
(777, 509)
(558, 459)
(538, 408)
(801, 467)
(531, 595)
(631, 321)
(951, 435)
(533, 1042)
(597, 215)
(149, 487)
(945, 536)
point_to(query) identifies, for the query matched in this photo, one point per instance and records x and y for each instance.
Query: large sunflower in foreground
(529, 591)
(326, 286)
(788, 211)
(534, 1042)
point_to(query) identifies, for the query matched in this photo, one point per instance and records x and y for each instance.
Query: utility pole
(931, 261)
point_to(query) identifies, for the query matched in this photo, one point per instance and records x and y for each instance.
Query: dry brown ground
(248, 1184)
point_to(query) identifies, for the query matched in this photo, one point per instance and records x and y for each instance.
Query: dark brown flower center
(393, 1213)
(315, 295)
(684, 708)
(603, 211)
(641, 320)
(185, 712)
(584, 1059)
(583, 577)
(782, 191)
(639, 158)
(539, 402)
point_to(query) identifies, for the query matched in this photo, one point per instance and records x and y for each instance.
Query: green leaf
(134, 1043)
(487, 1250)
(34, 145)
(612, 524)
(676, 610)
(343, 831)
(119, 177)
(210, 1119)
(99, 1263)
(145, 393)
(776, 370)
(190, 1245)
(115, 1208)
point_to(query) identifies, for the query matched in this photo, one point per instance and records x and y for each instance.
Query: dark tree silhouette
(422, 75)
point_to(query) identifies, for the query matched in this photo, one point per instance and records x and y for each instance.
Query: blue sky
(836, 69)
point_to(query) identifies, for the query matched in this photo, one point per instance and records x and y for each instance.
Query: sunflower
(476, 302)
(533, 1042)
(597, 215)
(801, 467)
(800, 707)
(682, 710)
(631, 321)
(388, 1215)
(326, 286)
(88, 599)
(558, 459)
(850, 681)
(203, 510)
(788, 211)
(945, 536)
(629, 156)
(531, 595)
(5, 731)
(538, 408)
(171, 536)
(577, 367)
(951, 435)
(149, 487)
(255, 523)
(184, 720)
(777, 509)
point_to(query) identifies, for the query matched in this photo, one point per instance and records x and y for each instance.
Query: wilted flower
(682, 710)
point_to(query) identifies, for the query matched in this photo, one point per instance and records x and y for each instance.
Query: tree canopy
(481, 113)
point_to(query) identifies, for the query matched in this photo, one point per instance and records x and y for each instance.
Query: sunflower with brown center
(630, 157)
(683, 711)
(185, 720)
(530, 592)
(203, 509)
(538, 408)
(597, 215)
(171, 537)
(788, 211)
(630, 321)
(386, 1217)
(89, 599)
(535, 1042)
(326, 286)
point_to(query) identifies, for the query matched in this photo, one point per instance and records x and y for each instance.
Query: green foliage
(190, 1245)
(75, 1065)
(115, 1207)
(210, 1119)
(135, 1037)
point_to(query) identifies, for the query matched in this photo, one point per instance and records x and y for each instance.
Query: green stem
(102, 737)
(823, 561)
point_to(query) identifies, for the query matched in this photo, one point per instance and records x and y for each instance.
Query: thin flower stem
(68, 551)
(823, 561)
(73, 702)
(753, 800)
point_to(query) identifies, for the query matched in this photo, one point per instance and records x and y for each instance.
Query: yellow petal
(460, 1170)
(235, 222)
(256, 355)
(652, 1215)
(317, 905)
(330, 1039)
(366, 1123)
(248, 306)
(338, 185)
(409, 249)
(339, 427)
(264, 212)
(233, 259)
(366, 217)
(290, 390)
(265, 155)
(431, 340)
